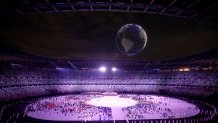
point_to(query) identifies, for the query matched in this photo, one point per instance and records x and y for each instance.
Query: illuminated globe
(131, 39)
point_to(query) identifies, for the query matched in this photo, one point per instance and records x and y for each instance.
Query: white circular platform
(112, 101)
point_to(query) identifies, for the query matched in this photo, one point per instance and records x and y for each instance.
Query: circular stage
(87, 107)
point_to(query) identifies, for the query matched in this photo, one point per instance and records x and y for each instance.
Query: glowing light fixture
(103, 69)
(114, 69)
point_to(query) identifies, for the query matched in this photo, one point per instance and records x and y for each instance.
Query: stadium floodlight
(103, 69)
(186, 69)
(114, 69)
(59, 68)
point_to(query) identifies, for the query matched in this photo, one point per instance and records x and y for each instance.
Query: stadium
(59, 62)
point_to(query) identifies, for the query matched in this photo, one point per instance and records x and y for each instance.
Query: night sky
(90, 35)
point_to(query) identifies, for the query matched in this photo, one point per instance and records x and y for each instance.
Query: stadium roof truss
(191, 9)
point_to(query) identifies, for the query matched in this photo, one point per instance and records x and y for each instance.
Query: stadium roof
(85, 29)
(201, 9)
